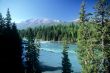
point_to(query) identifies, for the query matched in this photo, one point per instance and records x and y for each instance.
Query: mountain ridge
(39, 22)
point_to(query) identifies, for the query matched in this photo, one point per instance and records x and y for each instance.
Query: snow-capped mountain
(37, 22)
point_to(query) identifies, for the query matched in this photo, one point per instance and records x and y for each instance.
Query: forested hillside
(54, 32)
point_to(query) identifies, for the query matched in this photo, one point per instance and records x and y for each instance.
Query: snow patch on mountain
(37, 22)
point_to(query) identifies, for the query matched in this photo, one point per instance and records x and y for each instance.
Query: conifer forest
(46, 46)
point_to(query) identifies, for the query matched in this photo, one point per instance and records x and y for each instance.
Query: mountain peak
(37, 22)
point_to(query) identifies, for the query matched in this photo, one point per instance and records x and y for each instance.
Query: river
(51, 57)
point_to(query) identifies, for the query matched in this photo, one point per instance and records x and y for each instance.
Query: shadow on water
(49, 68)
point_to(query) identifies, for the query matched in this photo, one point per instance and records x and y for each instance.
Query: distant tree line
(54, 32)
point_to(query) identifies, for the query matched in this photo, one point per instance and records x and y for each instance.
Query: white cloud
(76, 20)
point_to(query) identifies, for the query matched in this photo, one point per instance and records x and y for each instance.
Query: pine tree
(82, 13)
(17, 42)
(66, 65)
(8, 21)
(86, 43)
(10, 44)
(33, 65)
(102, 10)
(81, 40)
(2, 23)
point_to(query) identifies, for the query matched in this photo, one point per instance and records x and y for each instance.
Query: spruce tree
(33, 65)
(82, 13)
(102, 10)
(66, 65)
(86, 42)
(2, 23)
(10, 44)
(8, 22)
(17, 44)
(81, 40)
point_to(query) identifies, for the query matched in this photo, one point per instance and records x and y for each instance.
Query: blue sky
(65, 10)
